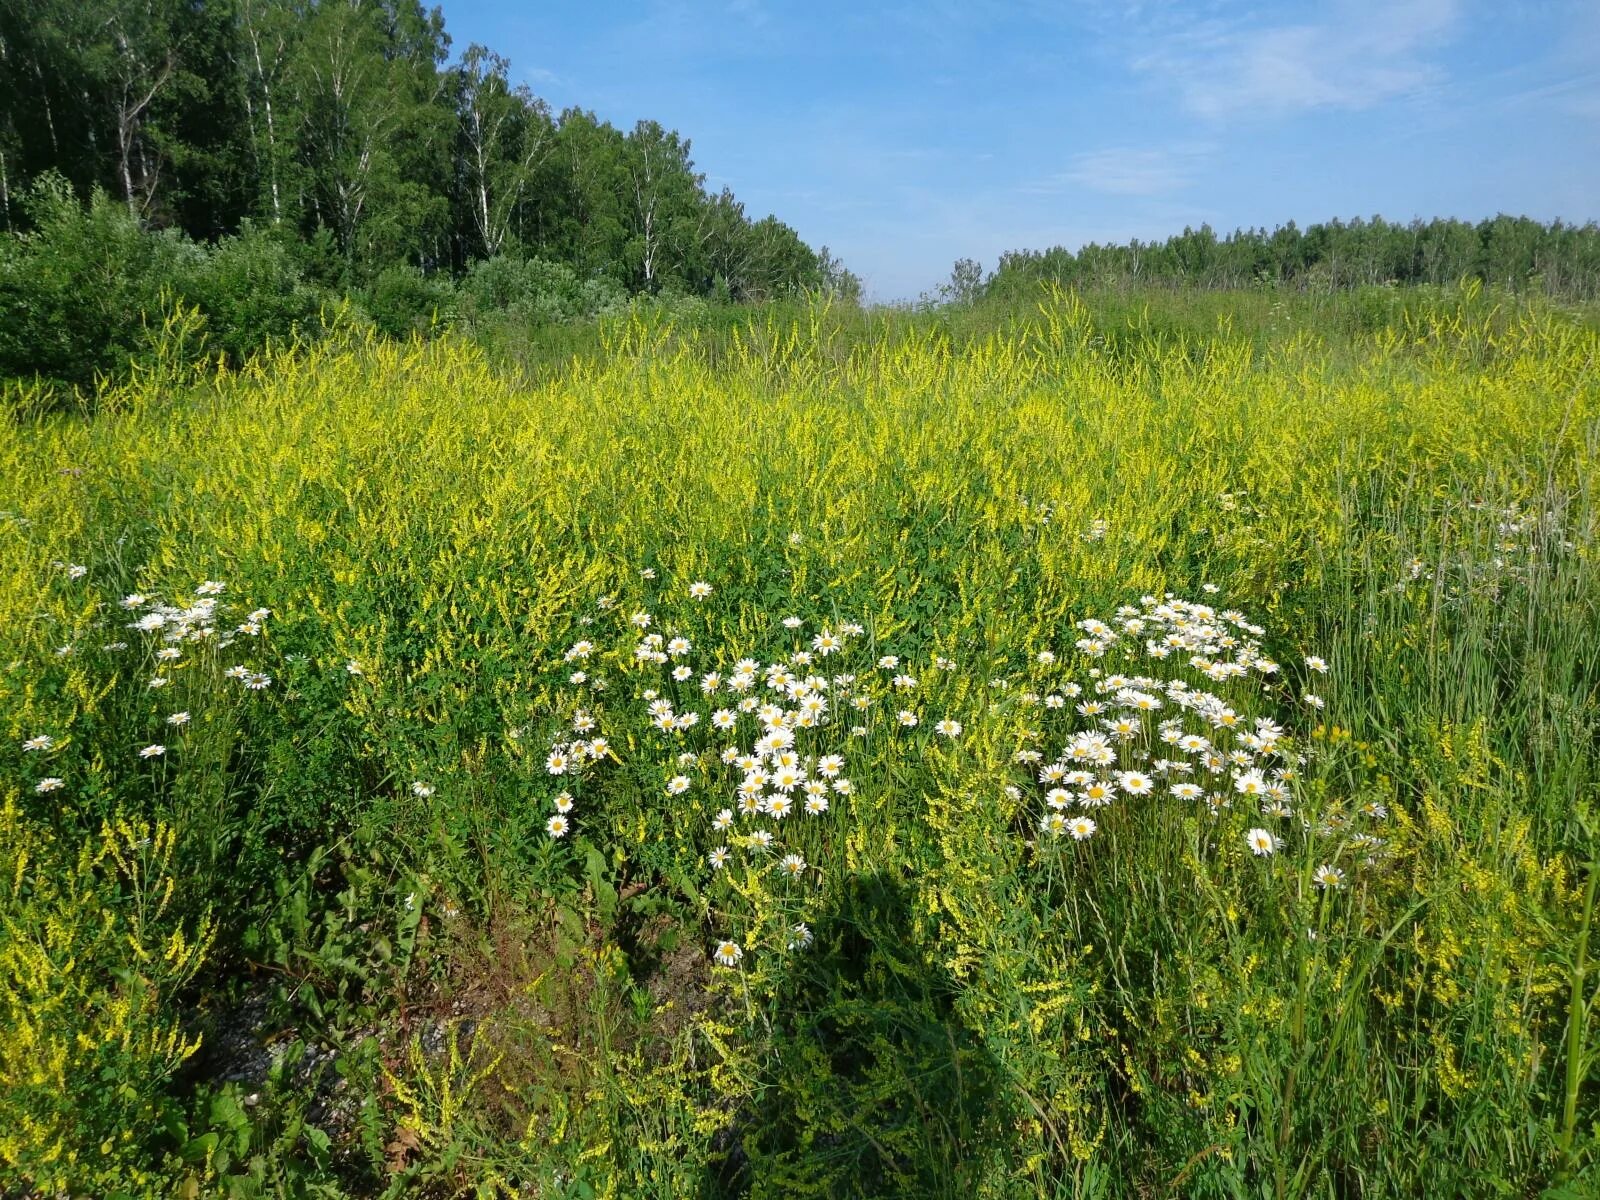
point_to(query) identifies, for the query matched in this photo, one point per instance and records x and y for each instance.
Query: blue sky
(907, 135)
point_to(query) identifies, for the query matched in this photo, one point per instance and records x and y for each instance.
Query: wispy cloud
(1360, 54)
(1126, 172)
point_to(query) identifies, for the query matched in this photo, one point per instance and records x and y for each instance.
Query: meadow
(1115, 749)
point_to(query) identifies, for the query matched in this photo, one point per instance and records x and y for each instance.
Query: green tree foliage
(86, 291)
(342, 129)
(1516, 252)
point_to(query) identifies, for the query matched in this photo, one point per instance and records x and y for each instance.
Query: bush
(87, 293)
(534, 291)
(74, 293)
(252, 294)
(403, 300)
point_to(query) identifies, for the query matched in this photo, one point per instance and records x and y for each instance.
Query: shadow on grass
(875, 1086)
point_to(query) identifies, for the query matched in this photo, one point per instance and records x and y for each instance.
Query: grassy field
(1115, 751)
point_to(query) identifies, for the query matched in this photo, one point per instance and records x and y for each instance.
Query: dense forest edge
(198, 180)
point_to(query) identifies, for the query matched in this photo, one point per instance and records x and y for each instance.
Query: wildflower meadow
(832, 756)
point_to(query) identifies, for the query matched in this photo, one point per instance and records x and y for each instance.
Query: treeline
(89, 292)
(1559, 259)
(343, 130)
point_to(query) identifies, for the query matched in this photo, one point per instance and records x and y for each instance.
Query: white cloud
(1127, 172)
(1357, 55)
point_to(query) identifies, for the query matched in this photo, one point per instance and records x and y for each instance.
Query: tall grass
(459, 1001)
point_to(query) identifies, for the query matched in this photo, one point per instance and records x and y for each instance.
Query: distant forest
(1559, 259)
(347, 125)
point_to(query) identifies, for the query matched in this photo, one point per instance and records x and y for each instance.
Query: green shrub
(75, 293)
(252, 294)
(402, 300)
(533, 291)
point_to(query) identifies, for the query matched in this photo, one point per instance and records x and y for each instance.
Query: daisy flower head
(557, 763)
(1327, 876)
(50, 783)
(39, 742)
(906, 717)
(77, 571)
(728, 954)
(1097, 793)
(792, 622)
(563, 802)
(778, 806)
(699, 589)
(1135, 783)
(1081, 828)
(1262, 842)
(800, 936)
(1317, 664)
(1250, 783)
(816, 805)
(718, 858)
(949, 728)
(793, 866)
(677, 785)
(557, 826)
(1053, 823)
(153, 751)
(422, 790)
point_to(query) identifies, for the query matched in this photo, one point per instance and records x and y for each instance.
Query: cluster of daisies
(201, 622)
(1166, 711)
(756, 747)
(170, 635)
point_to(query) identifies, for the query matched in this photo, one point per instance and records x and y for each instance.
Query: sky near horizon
(906, 135)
